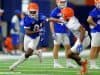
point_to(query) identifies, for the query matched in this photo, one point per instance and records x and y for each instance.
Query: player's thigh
(98, 39)
(33, 43)
(65, 40)
(86, 42)
(95, 42)
(58, 39)
(27, 40)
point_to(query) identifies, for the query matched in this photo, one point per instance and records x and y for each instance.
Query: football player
(73, 24)
(15, 30)
(33, 22)
(94, 22)
(81, 35)
(59, 35)
(58, 30)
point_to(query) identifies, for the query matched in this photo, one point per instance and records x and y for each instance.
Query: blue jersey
(33, 24)
(0, 27)
(58, 27)
(95, 13)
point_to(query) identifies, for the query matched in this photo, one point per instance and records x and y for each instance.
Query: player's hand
(79, 48)
(54, 36)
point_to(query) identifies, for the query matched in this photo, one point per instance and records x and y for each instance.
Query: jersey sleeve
(92, 13)
(73, 24)
(14, 19)
(43, 18)
(26, 23)
(53, 14)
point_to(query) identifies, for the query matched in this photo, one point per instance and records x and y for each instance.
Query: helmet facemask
(97, 4)
(33, 14)
(61, 3)
(33, 10)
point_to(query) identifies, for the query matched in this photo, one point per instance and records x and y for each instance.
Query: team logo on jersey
(36, 27)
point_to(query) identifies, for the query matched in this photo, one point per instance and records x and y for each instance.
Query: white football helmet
(97, 3)
(61, 3)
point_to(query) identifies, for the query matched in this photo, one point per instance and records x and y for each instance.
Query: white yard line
(45, 71)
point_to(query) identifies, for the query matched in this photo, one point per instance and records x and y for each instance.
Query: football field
(34, 67)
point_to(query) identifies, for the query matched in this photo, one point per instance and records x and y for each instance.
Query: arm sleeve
(43, 18)
(73, 24)
(92, 13)
(26, 23)
(53, 14)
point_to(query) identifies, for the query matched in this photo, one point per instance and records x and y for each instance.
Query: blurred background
(9, 8)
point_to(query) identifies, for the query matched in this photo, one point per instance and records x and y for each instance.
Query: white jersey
(16, 21)
(73, 24)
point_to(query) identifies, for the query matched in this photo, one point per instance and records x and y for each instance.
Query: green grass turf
(34, 67)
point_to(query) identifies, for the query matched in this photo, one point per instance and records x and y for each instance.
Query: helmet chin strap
(35, 16)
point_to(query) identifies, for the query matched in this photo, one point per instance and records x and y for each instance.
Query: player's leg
(93, 56)
(86, 43)
(16, 43)
(67, 47)
(79, 61)
(29, 48)
(24, 56)
(76, 57)
(57, 43)
(39, 51)
(94, 50)
(43, 44)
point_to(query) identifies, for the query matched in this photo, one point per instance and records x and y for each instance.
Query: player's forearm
(54, 20)
(90, 21)
(82, 34)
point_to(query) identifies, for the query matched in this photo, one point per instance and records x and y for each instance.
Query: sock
(55, 61)
(20, 60)
(36, 52)
(68, 61)
(92, 62)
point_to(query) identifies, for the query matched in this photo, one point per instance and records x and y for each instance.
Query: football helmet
(33, 10)
(67, 13)
(61, 3)
(97, 3)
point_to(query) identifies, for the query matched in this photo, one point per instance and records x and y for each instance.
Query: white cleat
(58, 66)
(71, 65)
(94, 67)
(40, 55)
